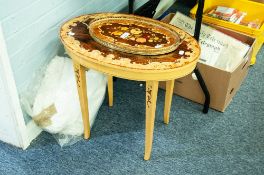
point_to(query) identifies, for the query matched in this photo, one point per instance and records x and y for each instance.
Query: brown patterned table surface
(75, 35)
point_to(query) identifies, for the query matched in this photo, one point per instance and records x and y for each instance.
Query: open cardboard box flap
(222, 85)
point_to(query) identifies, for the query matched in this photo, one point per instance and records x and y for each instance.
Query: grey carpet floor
(193, 143)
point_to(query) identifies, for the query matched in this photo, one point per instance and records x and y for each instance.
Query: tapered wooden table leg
(151, 98)
(81, 85)
(110, 90)
(168, 99)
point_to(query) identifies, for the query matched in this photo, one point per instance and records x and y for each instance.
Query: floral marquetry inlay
(94, 38)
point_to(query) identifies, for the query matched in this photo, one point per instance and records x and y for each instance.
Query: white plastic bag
(56, 106)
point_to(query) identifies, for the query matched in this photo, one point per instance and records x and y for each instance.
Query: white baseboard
(15, 125)
(32, 131)
(9, 140)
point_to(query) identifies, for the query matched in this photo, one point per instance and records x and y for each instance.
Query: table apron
(135, 74)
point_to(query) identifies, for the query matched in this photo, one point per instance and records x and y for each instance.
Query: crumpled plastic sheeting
(56, 106)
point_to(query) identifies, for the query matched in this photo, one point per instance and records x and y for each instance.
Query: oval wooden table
(86, 53)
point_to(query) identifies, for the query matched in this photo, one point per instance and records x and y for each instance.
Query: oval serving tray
(133, 34)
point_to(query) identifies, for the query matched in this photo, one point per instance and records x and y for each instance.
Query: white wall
(31, 29)
(7, 126)
(12, 122)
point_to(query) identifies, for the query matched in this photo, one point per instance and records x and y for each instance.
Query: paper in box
(222, 85)
(254, 12)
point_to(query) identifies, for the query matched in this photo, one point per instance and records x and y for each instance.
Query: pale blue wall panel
(8, 7)
(26, 74)
(20, 19)
(34, 38)
(36, 28)
(32, 52)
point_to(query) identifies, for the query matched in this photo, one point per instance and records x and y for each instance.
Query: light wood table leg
(151, 98)
(81, 85)
(168, 99)
(110, 90)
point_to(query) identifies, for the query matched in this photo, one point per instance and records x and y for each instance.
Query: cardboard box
(222, 85)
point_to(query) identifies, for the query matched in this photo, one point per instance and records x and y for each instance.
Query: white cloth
(58, 87)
